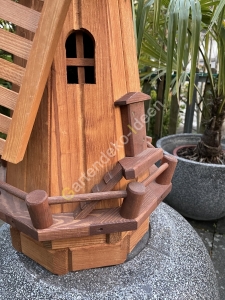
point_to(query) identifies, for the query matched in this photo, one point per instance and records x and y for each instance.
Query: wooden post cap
(166, 177)
(132, 203)
(132, 97)
(39, 209)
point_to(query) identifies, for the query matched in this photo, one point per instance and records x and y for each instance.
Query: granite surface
(212, 234)
(174, 265)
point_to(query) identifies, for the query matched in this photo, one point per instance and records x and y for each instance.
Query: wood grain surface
(15, 44)
(19, 15)
(8, 98)
(99, 221)
(4, 123)
(11, 72)
(36, 73)
(134, 166)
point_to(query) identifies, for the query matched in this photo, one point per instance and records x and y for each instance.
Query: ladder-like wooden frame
(47, 27)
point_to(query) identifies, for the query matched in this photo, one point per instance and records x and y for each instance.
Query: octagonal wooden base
(73, 254)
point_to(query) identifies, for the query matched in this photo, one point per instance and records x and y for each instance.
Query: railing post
(39, 209)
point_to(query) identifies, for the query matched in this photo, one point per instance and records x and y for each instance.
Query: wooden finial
(39, 209)
(166, 176)
(132, 203)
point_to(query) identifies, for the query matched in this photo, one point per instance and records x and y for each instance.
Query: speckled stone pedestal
(173, 265)
(198, 190)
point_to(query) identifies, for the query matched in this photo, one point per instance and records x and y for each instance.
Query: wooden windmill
(81, 177)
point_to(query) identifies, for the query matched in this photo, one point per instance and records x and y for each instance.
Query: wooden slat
(11, 72)
(37, 71)
(2, 144)
(87, 197)
(80, 62)
(14, 44)
(134, 166)
(4, 123)
(19, 15)
(107, 184)
(8, 98)
(75, 242)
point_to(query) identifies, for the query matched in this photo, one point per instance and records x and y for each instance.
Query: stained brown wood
(80, 54)
(15, 44)
(56, 261)
(75, 242)
(134, 129)
(166, 176)
(129, 47)
(15, 213)
(19, 15)
(115, 237)
(133, 122)
(4, 123)
(137, 235)
(16, 240)
(134, 166)
(12, 190)
(132, 97)
(155, 193)
(2, 144)
(66, 121)
(108, 182)
(11, 72)
(104, 221)
(149, 142)
(39, 209)
(157, 173)
(87, 197)
(8, 98)
(80, 62)
(131, 206)
(98, 256)
(42, 52)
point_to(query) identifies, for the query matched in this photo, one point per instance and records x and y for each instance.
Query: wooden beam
(12, 190)
(37, 71)
(132, 97)
(19, 15)
(80, 62)
(15, 44)
(134, 166)
(8, 98)
(153, 176)
(4, 123)
(87, 197)
(109, 181)
(11, 72)
(80, 54)
(2, 144)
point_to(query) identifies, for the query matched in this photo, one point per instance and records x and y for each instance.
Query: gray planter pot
(198, 190)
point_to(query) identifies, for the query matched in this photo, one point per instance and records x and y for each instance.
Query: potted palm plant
(198, 191)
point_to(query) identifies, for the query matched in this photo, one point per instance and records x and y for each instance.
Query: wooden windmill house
(81, 174)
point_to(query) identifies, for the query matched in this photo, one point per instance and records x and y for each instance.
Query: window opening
(80, 61)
